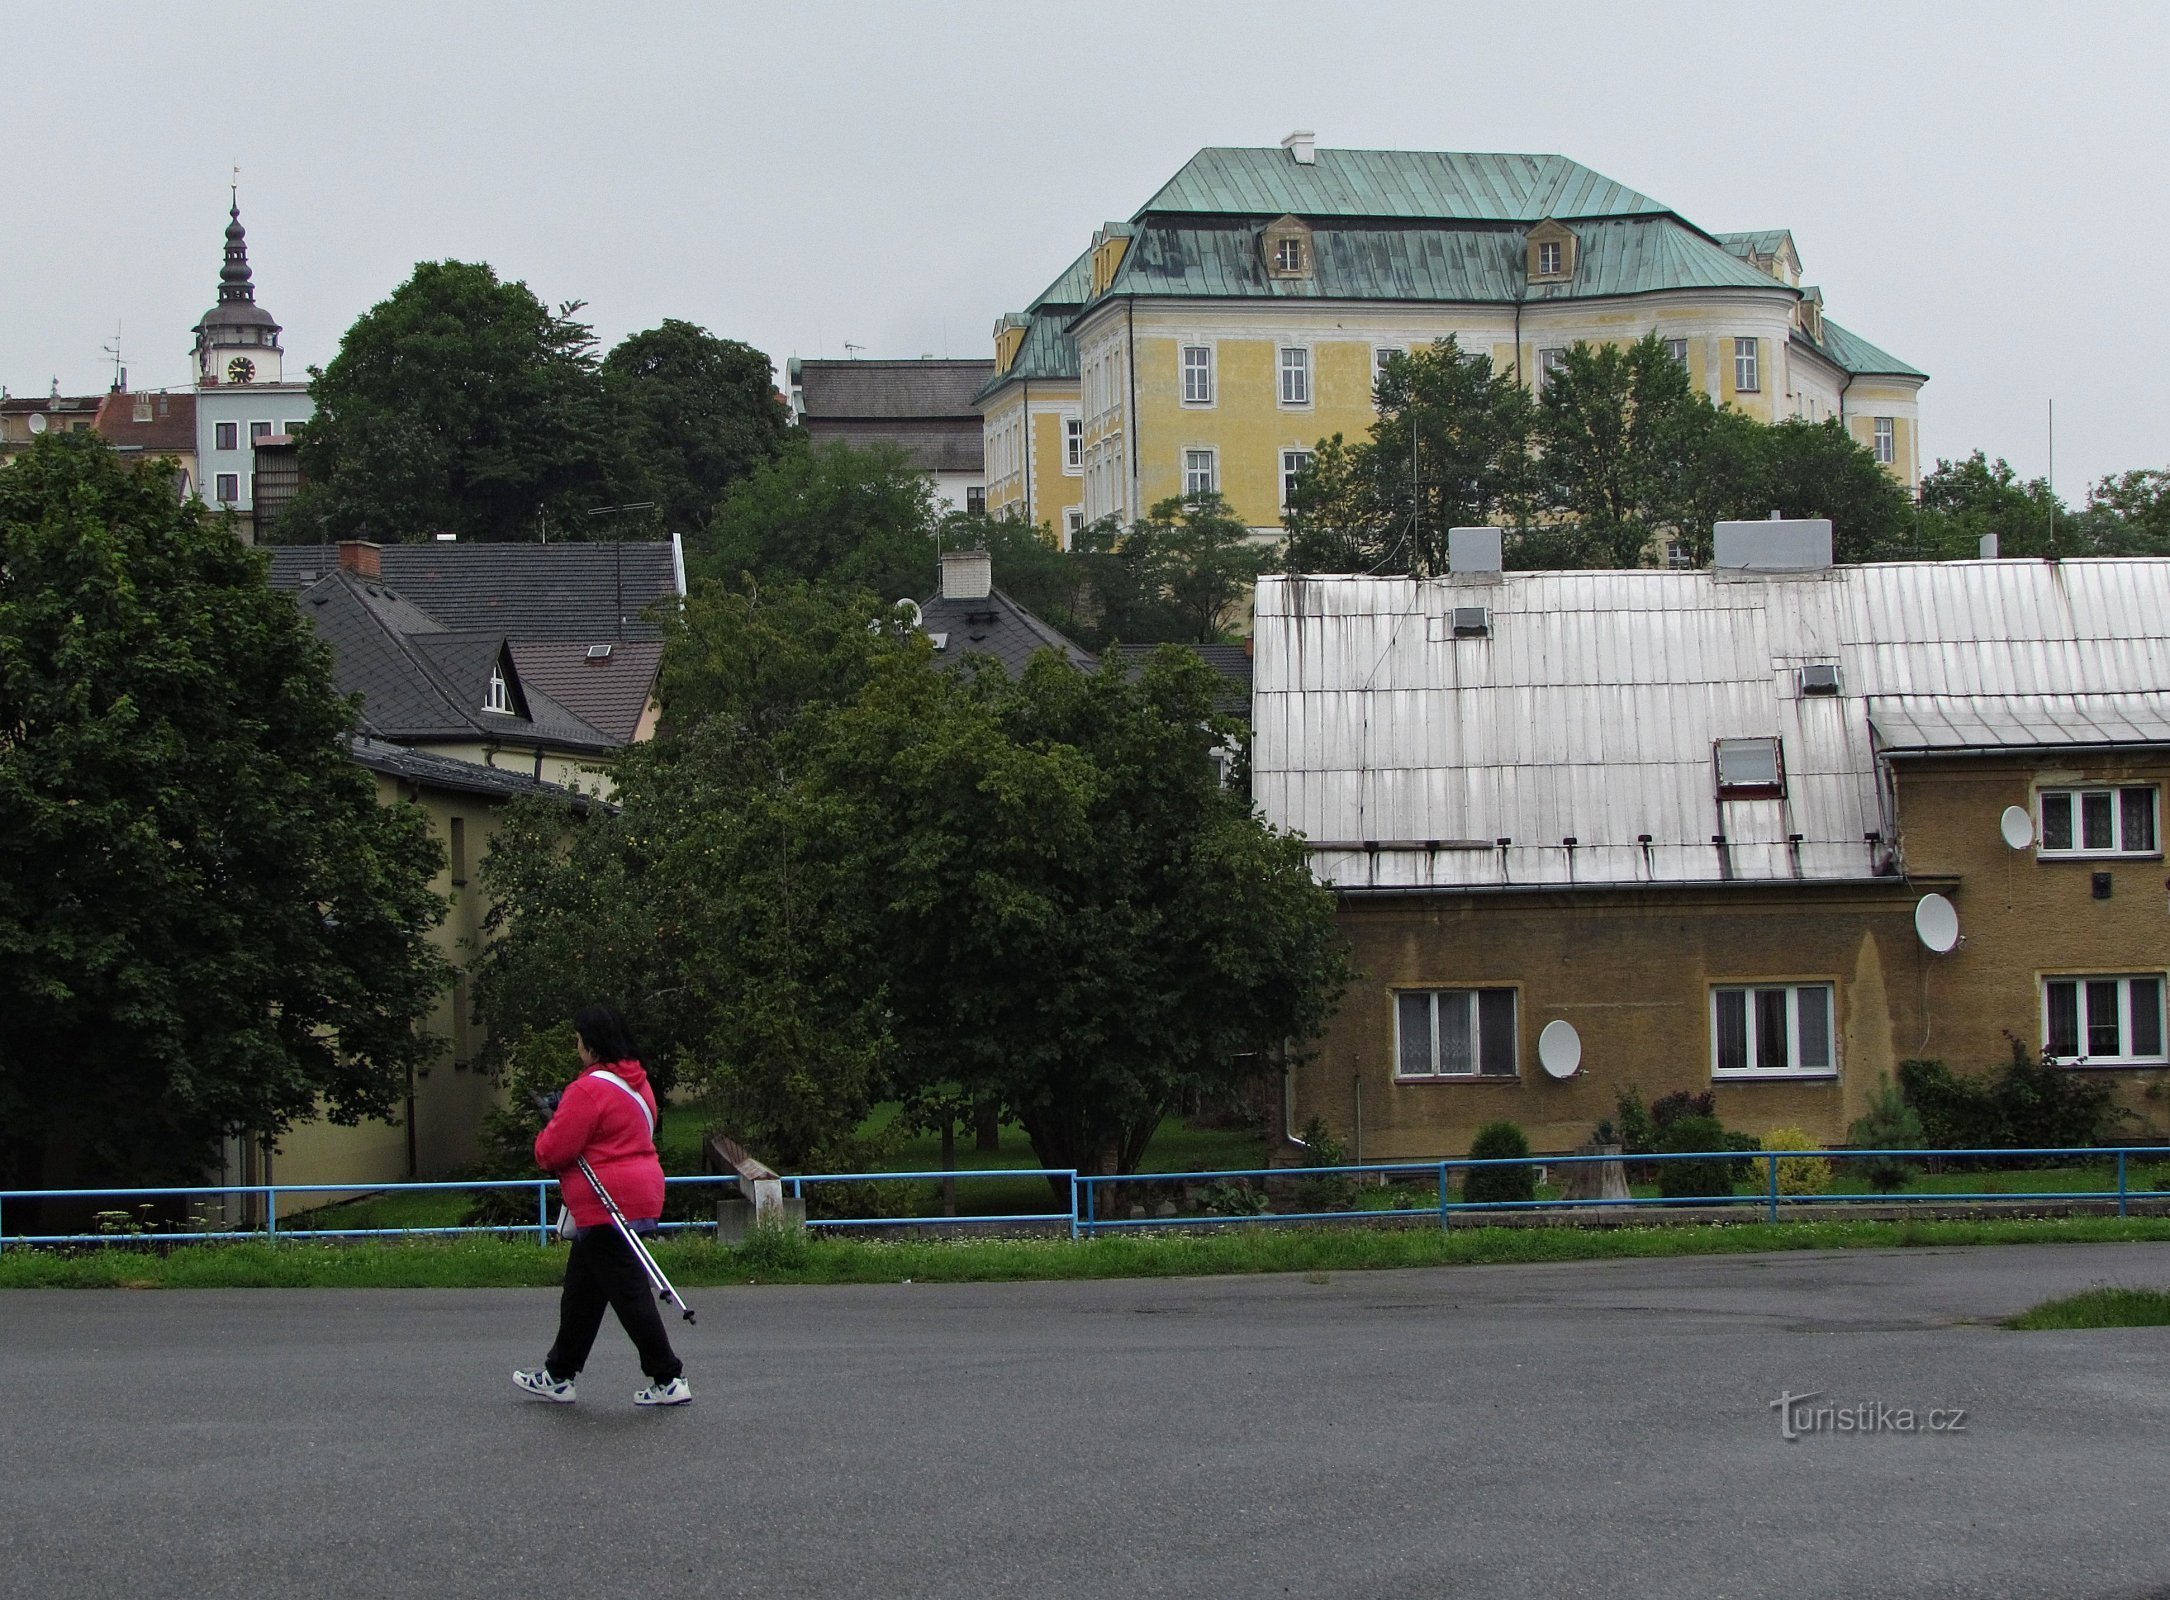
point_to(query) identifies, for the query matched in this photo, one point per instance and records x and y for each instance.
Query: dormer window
(1288, 255)
(1551, 252)
(1287, 248)
(499, 698)
(1548, 259)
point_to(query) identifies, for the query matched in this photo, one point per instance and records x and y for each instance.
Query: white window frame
(1381, 354)
(1747, 365)
(1198, 394)
(2083, 1011)
(1678, 350)
(1192, 454)
(498, 697)
(2074, 800)
(1073, 445)
(226, 488)
(1288, 254)
(1296, 396)
(1468, 997)
(1887, 440)
(1550, 359)
(1551, 258)
(1073, 524)
(1300, 459)
(225, 435)
(1793, 991)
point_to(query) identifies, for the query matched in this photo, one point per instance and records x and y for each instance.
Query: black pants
(602, 1271)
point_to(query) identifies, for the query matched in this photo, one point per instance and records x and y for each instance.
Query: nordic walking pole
(662, 1285)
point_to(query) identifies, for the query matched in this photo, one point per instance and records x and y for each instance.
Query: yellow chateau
(1244, 312)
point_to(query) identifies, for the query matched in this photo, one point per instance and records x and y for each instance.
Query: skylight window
(1748, 767)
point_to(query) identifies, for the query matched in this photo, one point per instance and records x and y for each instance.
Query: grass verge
(2099, 1308)
(700, 1263)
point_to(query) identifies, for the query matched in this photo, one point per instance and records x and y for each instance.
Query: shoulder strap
(631, 1093)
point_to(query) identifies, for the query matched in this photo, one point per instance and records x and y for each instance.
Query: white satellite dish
(1937, 924)
(2017, 827)
(37, 423)
(1559, 1049)
(910, 608)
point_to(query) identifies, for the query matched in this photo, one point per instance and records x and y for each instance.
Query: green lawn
(2099, 1308)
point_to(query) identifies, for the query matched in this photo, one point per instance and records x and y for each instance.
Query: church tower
(237, 342)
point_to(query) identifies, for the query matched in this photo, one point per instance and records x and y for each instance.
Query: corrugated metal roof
(1591, 709)
(1393, 183)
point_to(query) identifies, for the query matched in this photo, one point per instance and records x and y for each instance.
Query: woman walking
(607, 1114)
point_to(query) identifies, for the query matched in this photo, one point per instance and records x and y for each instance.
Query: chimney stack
(362, 558)
(967, 575)
(1303, 145)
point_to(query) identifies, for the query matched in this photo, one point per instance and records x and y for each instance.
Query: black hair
(603, 1031)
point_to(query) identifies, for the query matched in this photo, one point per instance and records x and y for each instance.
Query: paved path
(1597, 1429)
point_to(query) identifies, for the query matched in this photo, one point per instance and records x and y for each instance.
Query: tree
(1818, 469)
(826, 513)
(1963, 500)
(1624, 438)
(460, 405)
(699, 414)
(2129, 513)
(208, 925)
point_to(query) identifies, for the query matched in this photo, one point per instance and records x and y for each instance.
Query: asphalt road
(1599, 1429)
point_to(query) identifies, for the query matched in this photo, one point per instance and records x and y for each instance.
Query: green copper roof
(1073, 288)
(1410, 184)
(1764, 242)
(1047, 351)
(1471, 263)
(1856, 355)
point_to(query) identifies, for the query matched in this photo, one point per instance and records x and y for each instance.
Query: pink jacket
(599, 1120)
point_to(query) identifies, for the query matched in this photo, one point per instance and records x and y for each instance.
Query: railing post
(1442, 1195)
(1774, 1188)
(542, 1212)
(3, 1230)
(1073, 1205)
(1092, 1198)
(2121, 1183)
(271, 1212)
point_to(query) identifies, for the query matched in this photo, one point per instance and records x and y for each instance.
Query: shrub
(1637, 1136)
(2028, 1102)
(1670, 1108)
(1889, 1124)
(1322, 1149)
(1499, 1141)
(1685, 1180)
(1803, 1174)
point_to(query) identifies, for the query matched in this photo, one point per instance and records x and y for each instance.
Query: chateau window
(1886, 440)
(1295, 375)
(1073, 524)
(1549, 362)
(1381, 357)
(225, 435)
(1073, 444)
(2099, 822)
(1198, 374)
(229, 488)
(1745, 377)
(1454, 1033)
(1678, 350)
(975, 500)
(1288, 255)
(1200, 474)
(1770, 1031)
(1548, 260)
(1294, 463)
(2103, 1021)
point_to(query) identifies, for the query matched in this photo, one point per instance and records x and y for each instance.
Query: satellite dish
(37, 422)
(910, 608)
(1937, 924)
(2017, 827)
(1559, 1049)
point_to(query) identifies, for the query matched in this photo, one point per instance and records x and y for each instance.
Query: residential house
(1694, 815)
(969, 616)
(25, 421)
(923, 408)
(146, 426)
(1247, 309)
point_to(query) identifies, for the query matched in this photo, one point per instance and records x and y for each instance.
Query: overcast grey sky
(1978, 188)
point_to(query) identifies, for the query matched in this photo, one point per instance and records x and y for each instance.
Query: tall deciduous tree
(460, 405)
(699, 414)
(1178, 575)
(208, 925)
(826, 513)
(1963, 500)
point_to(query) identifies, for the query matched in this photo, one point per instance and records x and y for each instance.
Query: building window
(1294, 464)
(1750, 767)
(1073, 523)
(1381, 357)
(1678, 350)
(975, 500)
(1073, 444)
(1778, 1030)
(1678, 557)
(259, 430)
(1886, 440)
(2103, 1021)
(229, 488)
(1288, 255)
(1549, 362)
(1745, 379)
(499, 697)
(1198, 374)
(2099, 822)
(1454, 1033)
(1548, 260)
(459, 853)
(1199, 476)
(225, 435)
(1295, 375)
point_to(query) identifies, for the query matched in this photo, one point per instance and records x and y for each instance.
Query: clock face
(240, 370)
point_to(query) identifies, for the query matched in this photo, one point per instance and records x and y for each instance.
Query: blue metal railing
(1092, 1199)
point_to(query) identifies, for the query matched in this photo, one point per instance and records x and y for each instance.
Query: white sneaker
(542, 1386)
(677, 1392)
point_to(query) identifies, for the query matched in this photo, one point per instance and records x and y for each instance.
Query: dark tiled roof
(896, 389)
(522, 591)
(996, 626)
(932, 444)
(1231, 661)
(610, 694)
(461, 777)
(171, 430)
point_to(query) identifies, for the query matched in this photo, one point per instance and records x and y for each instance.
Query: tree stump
(1594, 1180)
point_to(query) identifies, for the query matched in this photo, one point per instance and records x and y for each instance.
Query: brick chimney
(966, 575)
(362, 558)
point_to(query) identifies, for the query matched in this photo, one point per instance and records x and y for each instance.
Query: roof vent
(1800, 544)
(1303, 145)
(1471, 622)
(598, 652)
(1820, 677)
(1474, 550)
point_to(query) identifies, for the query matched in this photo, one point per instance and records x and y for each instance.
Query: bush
(1499, 1141)
(1889, 1124)
(1668, 1109)
(1803, 1174)
(1637, 1136)
(1322, 1149)
(2028, 1102)
(1687, 1180)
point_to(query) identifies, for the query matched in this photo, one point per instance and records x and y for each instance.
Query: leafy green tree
(1963, 500)
(461, 405)
(208, 925)
(1179, 575)
(1624, 437)
(826, 513)
(2129, 513)
(1818, 469)
(699, 413)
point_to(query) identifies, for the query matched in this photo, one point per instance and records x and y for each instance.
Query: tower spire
(234, 279)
